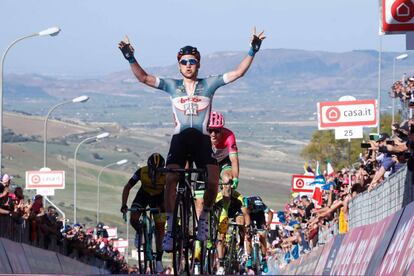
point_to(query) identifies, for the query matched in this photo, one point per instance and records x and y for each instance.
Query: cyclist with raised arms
(191, 99)
(150, 193)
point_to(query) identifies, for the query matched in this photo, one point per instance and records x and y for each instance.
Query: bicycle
(145, 234)
(232, 259)
(256, 256)
(185, 220)
(210, 252)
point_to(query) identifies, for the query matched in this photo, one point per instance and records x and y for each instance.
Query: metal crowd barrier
(20, 231)
(393, 194)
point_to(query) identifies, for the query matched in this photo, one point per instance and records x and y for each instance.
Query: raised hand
(257, 40)
(127, 50)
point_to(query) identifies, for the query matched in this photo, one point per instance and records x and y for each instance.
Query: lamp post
(379, 85)
(50, 31)
(80, 99)
(100, 136)
(400, 57)
(98, 205)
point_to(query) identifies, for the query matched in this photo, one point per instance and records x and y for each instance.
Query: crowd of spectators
(404, 90)
(28, 221)
(310, 220)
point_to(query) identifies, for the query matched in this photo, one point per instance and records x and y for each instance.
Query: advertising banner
(301, 183)
(16, 256)
(400, 253)
(45, 179)
(337, 241)
(308, 262)
(360, 245)
(323, 258)
(42, 261)
(379, 252)
(397, 16)
(4, 261)
(358, 113)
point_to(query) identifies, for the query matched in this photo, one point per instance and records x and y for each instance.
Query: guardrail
(393, 194)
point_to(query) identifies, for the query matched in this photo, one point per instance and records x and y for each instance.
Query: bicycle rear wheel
(211, 250)
(141, 251)
(256, 258)
(149, 254)
(191, 237)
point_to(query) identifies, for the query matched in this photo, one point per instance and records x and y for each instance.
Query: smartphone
(365, 145)
(390, 142)
(412, 129)
(373, 136)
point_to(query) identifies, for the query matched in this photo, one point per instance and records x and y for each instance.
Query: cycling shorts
(194, 143)
(144, 199)
(260, 220)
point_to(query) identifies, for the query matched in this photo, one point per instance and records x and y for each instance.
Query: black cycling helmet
(156, 161)
(189, 50)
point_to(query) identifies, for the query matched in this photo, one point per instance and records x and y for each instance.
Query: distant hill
(272, 69)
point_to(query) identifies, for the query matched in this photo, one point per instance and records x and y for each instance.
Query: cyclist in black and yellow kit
(150, 193)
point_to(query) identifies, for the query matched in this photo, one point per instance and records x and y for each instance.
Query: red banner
(400, 253)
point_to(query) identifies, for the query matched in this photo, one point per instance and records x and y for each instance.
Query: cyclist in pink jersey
(225, 149)
(228, 199)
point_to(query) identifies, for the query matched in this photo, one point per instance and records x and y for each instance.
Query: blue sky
(91, 29)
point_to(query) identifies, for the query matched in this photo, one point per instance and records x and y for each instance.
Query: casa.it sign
(301, 183)
(45, 179)
(359, 113)
(397, 16)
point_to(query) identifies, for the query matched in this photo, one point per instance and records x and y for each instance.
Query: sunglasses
(192, 61)
(215, 130)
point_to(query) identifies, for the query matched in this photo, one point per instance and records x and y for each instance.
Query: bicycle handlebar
(181, 170)
(138, 209)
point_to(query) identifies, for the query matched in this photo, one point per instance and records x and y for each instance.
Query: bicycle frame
(185, 220)
(146, 233)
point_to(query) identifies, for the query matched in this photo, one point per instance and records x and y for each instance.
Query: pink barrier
(399, 257)
(360, 244)
(308, 262)
(382, 248)
(4, 261)
(16, 256)
(42, 261)
(323, 258)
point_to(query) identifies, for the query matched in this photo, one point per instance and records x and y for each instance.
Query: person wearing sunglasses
(191, 99)
(230, 201)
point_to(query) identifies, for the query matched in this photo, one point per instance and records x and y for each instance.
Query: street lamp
(80, 99)
(98, 205)
(400, 57)
(50, 31)
(97, 137)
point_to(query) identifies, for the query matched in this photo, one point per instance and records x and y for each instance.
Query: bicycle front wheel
(179, 230)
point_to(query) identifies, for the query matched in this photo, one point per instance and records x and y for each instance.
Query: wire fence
(393, 194)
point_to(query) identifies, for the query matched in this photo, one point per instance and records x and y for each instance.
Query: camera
(365, 145)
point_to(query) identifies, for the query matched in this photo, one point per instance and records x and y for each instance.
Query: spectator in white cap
(4, 195)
